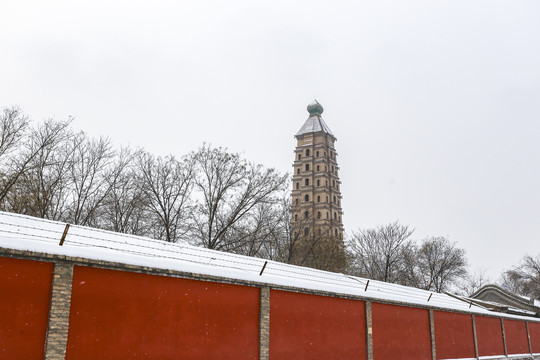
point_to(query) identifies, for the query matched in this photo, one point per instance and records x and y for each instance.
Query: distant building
(498, 299)
(316, 194)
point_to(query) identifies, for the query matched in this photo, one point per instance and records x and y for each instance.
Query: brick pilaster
(264, 324)
(474, 337)
(504, 338)
(432, 335)
(369, 331)
(57, 330)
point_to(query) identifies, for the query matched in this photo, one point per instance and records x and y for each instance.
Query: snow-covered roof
(313, 124)
(26, 233)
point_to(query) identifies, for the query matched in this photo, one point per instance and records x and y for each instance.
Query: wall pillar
(432, 333)
(504, 338)
(57, 330)
(529, 337)
(474, 337)
(264, 324)
(369, 331)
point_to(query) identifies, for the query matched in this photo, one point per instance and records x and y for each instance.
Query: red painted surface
(304, 326)
(516, 337)
(400, 332)
(453, 335)
(489, 336)
(25, 287)
(534, 332)
(125, 315)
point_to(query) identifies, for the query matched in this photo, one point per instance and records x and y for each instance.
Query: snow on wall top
(33, 234)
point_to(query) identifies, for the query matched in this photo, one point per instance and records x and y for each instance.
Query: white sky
(435, 104)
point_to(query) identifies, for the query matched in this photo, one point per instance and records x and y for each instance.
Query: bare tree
(229, 189)
(89, 177)
(524, 279)
(440, 264)
(166, 184)
(13, 127)
(23, 156)
(379, 253)
(126, 208)
(473, 281)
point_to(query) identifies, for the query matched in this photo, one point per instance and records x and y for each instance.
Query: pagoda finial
(315, 108)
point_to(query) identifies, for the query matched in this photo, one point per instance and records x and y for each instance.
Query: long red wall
(489, 336)
(25, 293)
(516, 337)
(400, 333)
(454, 337)
(306, 326)
(125, 315)
(128, 315)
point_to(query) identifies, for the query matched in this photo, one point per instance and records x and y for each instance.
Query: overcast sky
(435, 104)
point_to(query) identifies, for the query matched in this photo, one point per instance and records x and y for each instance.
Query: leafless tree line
(524, 278)
(210, 198)
(388, 253)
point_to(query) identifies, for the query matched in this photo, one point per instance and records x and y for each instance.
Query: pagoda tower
(316, 196)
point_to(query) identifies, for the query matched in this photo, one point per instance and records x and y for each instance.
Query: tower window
(332, 168)
(327, 215)
(307, 152)
(297, 186)
(306, 231)
(306, 197)
(307, 182)
(334, 183)
(318, 168)
(295, 217)
(307, 167)
(325, 168)
(319, 215)
(336, 232)
(318, 182)
(298, 171)
(327, 198)
(318, 198)
(297, 201)
(326, 182)
(334, 198)
(335, 215)
(306, 214)
(317, 153)
(299, 156)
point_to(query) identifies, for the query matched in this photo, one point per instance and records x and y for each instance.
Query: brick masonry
(432, 335)
(264, 324)
(369, 331)
(57, 330)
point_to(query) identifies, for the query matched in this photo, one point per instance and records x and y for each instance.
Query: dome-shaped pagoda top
(315, 108)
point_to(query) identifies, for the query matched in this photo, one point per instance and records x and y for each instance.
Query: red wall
(454, 335)
(125, 315)
(306, 326)
(400, 332)
(534, 332)
(24, 307)
(516, 337)
(489, 336)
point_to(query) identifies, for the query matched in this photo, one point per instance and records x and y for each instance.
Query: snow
(314, 124)
(43, 236)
